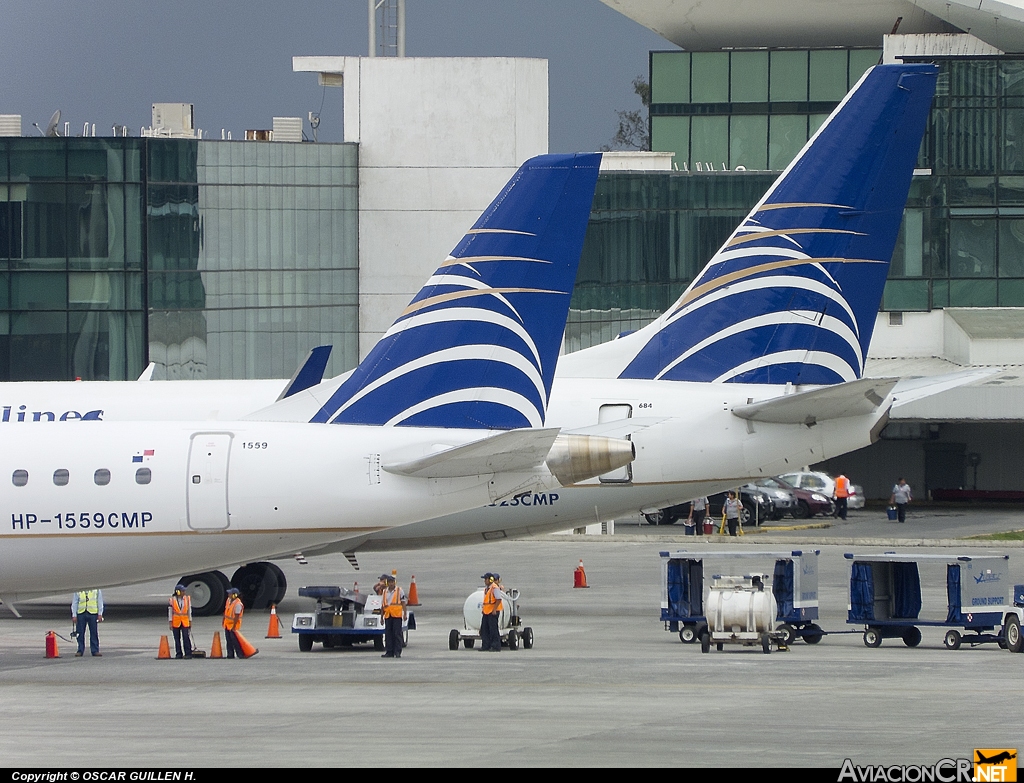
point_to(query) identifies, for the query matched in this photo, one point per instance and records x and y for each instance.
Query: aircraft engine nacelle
(575, 458)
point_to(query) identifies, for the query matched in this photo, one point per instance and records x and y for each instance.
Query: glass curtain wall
(253, 251)
(962, 239)
(71, 279)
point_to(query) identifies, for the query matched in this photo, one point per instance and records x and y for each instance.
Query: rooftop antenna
(51, 126)
(389, 16)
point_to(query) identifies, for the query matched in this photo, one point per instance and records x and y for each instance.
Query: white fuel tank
(741, 605)
(473, 608)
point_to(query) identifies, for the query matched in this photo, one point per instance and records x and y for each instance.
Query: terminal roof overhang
(702, 26)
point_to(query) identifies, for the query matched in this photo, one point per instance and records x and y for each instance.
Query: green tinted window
(972, 248)
(1011, 247)
(972, 293)
(828, 73)
(787, 134)
(670, 77)
(860, 61)
(749, 77)
(788, 76)
(709, 142)
(710, 77)
(671, 134)
(905, 295)
(1011, 293)
(748, 142)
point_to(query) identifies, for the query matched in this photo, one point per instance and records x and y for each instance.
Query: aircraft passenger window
(101, 477)
(20, 478)
(60, 477)
(196, 479)
(143, 476)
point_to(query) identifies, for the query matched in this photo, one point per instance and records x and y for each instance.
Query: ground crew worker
(394, 603)
(179, 618)
(842, 495)
(86, 612)
(490, 636)
(233, 622)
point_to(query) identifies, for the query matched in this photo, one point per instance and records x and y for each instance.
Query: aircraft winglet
(309, 373)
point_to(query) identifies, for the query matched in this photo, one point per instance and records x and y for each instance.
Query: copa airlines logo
(21, 413)
(770, 307)
(460, 304)
(476, 348)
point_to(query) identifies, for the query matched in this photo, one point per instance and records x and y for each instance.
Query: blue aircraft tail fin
(792, 295)
(477, 346)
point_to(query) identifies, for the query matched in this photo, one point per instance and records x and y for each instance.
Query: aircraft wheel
(305, 642)
(1011, 632)
(872, 637)
(208, 592)
(256, 584)
(527, 638)
(912, 636)
(952, 639)
(705, 642)
(282, 582)
(814, 634)
(655, 518)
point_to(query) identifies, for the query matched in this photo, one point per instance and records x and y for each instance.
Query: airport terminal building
(230, 259)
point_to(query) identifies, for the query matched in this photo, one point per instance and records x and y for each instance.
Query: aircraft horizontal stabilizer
(856, 398)
(912, 389)
(510, 451)
(620, 428)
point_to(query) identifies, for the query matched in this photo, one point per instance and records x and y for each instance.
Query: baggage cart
(342, 618)
(885, 597)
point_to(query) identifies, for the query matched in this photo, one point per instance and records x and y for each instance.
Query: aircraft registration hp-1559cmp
(757, 368)
(116, 503)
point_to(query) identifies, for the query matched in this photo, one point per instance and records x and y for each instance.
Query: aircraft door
(208, 481)
(608, 413)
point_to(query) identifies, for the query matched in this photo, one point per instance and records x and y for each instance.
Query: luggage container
(885, 597)
(794, 587)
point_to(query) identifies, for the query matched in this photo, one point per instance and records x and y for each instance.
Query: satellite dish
(51, 126)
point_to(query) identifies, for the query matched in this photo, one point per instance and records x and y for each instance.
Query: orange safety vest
(179, 614)
(842, 487)
(233, 621)
(393, 603)
(492, 603)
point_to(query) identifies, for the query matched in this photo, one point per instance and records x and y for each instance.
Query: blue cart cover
(953, 592)
(862, 594)
(906, 590)
(685, 582)
(782, 586)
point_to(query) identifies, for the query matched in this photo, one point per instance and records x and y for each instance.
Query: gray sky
(107, 61)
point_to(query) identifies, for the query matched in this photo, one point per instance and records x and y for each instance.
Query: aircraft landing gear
(260, 585)
(207, 591)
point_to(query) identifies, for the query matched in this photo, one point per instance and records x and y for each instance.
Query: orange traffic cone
(165, 648)
(51, 645)
(579, 576)
(414, 598)
(355, 587)
(215, 648)
(274, 629)
(244, 646)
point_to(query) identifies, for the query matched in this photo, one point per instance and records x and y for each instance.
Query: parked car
(757, 506)
(815, 481)
(784, 498)
(808, 503)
